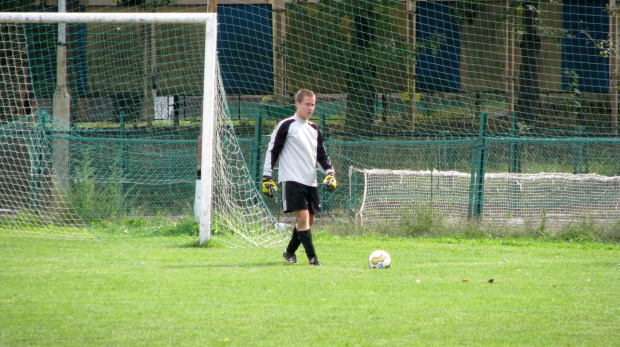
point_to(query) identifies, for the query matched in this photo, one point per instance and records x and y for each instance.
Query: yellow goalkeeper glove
(330, 182)
(269, 186)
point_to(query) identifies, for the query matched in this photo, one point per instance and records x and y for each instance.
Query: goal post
(121, 158)
(210, 19)
(208, 127)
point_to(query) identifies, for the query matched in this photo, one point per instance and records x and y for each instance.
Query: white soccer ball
(379, 259)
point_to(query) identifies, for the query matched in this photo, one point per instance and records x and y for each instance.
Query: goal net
(512, 199)
(100, 117)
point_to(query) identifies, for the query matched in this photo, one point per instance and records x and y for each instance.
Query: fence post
(476, 185)
(352, 190)
(515, 147)
(327, 199)
(257, 143)
(323, 121)
(123, 166)
(37, 161)
(580, 159)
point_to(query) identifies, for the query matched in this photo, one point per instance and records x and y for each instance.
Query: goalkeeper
(297, 145)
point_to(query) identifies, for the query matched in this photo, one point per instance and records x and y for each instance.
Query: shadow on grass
(244, 265)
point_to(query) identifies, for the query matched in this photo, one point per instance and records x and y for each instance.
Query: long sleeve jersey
(297, 146)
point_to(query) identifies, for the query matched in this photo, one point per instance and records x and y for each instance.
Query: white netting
(551, 197)
(508, 198)
(237, 204)
(113, 156)
(31, 201)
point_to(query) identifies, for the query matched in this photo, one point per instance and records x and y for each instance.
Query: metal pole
(411, 64)
(510, 60)
(97, 17)
(61, 107)
(278, 19)
(208, 129)
(613, 65)
(476, 185)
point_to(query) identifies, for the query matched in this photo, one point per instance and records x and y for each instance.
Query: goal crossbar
(74, 17)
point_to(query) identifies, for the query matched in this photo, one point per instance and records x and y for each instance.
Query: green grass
(165, 291)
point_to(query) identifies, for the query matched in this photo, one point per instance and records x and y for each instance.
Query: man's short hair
(301, 94)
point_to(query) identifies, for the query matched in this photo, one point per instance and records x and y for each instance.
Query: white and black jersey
(297, 146)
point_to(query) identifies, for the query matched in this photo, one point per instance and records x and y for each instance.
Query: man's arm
(325, 164)
(276, 144)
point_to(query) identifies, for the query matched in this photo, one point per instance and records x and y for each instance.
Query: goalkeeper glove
(269, 186)
(330, 182)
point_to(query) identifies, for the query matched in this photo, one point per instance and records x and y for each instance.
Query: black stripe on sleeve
(321, 153)
(280, 140)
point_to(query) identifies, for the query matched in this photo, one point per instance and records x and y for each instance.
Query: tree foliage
(354, 39)
(17, 5)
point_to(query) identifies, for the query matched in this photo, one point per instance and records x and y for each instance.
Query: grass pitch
(165, 292)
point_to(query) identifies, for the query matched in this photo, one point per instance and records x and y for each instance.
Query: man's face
(305, 108)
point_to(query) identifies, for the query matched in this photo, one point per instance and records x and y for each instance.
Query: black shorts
(297, 196)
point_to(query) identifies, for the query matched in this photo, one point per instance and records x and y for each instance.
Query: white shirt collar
(297, 118)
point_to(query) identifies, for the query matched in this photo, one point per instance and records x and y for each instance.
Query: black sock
(293, 245)
(306, 239)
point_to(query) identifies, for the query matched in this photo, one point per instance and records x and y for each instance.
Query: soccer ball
(379, 259)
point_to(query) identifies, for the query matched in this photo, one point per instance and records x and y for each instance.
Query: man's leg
(304, 219)
(304, 222)
(293, 245)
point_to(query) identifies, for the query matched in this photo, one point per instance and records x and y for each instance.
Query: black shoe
(291, 258)
(315, 261)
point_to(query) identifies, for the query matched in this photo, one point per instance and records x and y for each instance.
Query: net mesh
(27, 189)
(510, 199)
(237, 205)
(470, 86)
(125, 153)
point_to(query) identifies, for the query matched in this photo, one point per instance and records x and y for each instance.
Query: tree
(356, 39)
(362, 68)
(16, 5)
(528, 103)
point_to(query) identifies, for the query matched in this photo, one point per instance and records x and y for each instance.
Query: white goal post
(210, 19)
(210, 76)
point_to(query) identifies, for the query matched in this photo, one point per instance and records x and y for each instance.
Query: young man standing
(297, 145)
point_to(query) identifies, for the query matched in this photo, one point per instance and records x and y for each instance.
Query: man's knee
(303, 219)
